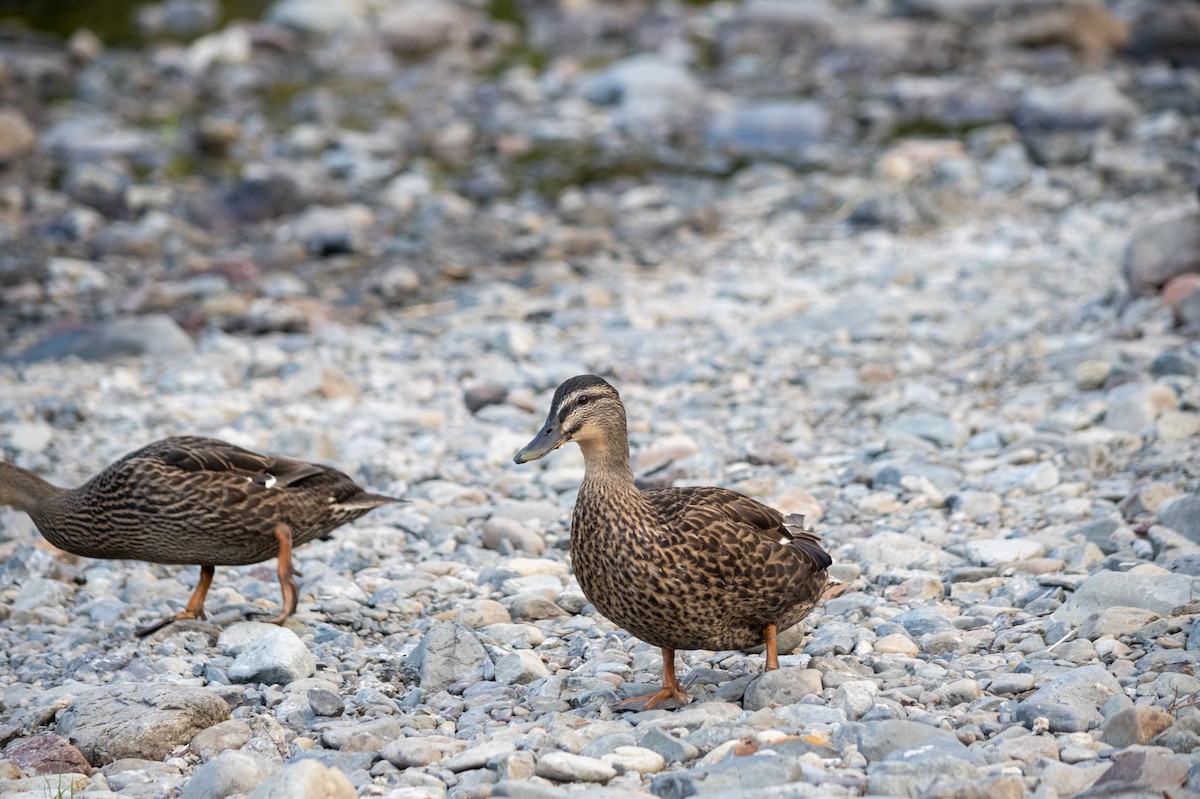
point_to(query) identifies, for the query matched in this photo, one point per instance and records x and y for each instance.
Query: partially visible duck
(193, 500)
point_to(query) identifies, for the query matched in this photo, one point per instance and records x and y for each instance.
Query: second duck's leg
(771, 638)
(670, 690)
(195, 605)
(287, 574)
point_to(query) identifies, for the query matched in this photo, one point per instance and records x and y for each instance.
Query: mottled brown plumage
(680, 568)
(193, 500)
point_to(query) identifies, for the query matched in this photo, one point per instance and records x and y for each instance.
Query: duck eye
(584, 400)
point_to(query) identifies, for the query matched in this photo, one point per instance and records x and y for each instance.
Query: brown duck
(193, 500)
(680, 568)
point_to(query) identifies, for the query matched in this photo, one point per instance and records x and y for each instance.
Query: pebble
(566, 767)
(276, 655)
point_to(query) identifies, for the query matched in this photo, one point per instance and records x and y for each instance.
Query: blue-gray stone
(1182, 514)
(1071, 702)
(877, 740)
(782, 129)
(940, 430)
(739, 773)
(671, 748)
(922, 621)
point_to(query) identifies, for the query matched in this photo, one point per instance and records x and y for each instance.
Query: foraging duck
(680, 568)
(197, 501)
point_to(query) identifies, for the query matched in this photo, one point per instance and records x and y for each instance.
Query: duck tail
(365, 501)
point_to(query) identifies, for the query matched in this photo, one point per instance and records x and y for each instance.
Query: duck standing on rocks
(193, 500)
(680, 568)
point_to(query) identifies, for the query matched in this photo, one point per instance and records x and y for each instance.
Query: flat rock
(1116, 621)
(992, 552)
(566, 767)
(305, 779)
(155, 335)
(146, 720)
(879, 739)
(230, 772)
(1157, 593)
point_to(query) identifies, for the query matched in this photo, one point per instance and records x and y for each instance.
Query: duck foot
(671, 689)
(195, 605)
(181, 616)
(171, 626)
(674, 699)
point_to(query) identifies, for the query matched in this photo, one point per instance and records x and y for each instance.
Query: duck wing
(725, 522)
(251, 475)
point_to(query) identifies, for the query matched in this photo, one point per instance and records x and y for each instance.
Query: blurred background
(259, 166)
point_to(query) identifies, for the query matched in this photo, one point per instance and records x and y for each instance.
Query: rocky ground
(922, 269)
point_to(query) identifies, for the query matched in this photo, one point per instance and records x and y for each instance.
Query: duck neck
(606, 461)
(27, 492)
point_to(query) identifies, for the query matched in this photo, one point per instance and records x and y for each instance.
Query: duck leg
(287, 573)
(195, 605)
(771, 639)
(670, 690)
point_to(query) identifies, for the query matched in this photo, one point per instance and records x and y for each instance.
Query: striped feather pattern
(190, 500)
(682, 568)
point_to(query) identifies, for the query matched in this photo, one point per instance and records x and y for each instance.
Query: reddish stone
(48, 754)
(1178, 296)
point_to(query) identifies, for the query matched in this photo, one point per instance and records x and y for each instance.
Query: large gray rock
(145, 720)
(1071, 702)
(156, 335)
(448, 653)
(879, 739)
(1158, 593)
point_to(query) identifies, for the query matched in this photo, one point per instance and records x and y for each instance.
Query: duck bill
(548, 439)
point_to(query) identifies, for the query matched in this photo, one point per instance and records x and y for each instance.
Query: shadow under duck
(194, 501)
(692, 567)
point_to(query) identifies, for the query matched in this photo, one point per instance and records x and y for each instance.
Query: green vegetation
(114, 21)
